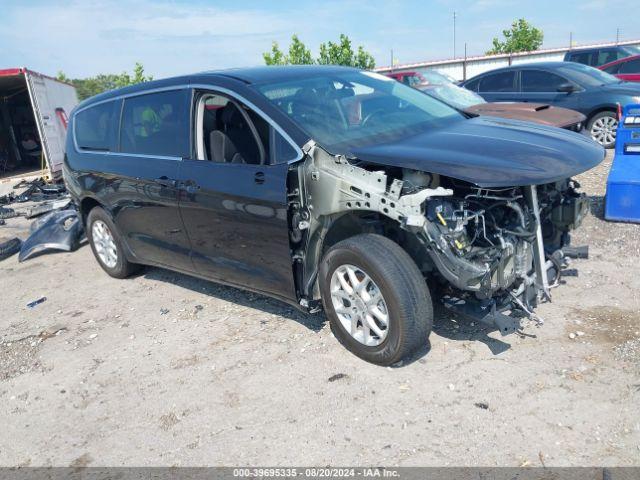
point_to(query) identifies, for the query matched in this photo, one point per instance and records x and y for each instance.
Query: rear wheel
(107, 245)
(602, 128)
(377, 301)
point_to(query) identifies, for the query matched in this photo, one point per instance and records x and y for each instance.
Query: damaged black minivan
(330, 187)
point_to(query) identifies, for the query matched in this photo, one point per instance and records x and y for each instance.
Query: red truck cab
(627, 69)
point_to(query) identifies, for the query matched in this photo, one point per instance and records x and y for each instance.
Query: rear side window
(95, 127)
(498, 82)
(541, 81)
(632, 66)
(584, 58)
(156, 124)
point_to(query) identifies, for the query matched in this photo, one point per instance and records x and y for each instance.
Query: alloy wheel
(603, 130)
(359, 305)
(104, 244)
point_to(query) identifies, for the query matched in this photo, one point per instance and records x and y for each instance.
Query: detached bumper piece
(622, 202)
(59, 230)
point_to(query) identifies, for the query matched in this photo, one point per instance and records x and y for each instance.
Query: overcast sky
(87, 37)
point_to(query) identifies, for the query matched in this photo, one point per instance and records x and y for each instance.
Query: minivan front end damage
(494, 253)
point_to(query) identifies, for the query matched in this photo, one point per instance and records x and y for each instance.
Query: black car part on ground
(47, 206)
(7, 213)
(9, 247)
(58, 230)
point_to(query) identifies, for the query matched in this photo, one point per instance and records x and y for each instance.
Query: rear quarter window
(95, 127)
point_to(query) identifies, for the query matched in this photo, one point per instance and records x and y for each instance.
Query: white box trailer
(33, 121)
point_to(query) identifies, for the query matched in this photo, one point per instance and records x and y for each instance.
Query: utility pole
(570, 40)
(454, 34)
(617, 35)
(392, 59)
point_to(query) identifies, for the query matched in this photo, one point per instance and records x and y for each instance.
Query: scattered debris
(7, 213)
(452, 387)
(46, 207)
(36, 302)
(9, 248)
(482, 405)
(52, 331)
(338, 376)
(572, 335)
(58, 230)
(164, 311)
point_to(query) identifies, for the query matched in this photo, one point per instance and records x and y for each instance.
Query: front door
(541, 86)
(234, 199)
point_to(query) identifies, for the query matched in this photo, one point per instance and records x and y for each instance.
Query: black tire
(598, 117)
(7, 213)
(122, 268)
(10, 247)
(401, 284)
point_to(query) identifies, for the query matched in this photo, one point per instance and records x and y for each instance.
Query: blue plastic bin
(622, 201)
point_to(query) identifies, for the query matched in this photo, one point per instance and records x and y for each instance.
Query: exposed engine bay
(494, 253)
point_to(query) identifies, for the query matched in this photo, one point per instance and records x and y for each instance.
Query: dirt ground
(164, 369)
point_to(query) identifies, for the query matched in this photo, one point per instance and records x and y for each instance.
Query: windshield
(350, 109)
(455, 96)
(587, 76)
(631, 50)
(435, 78)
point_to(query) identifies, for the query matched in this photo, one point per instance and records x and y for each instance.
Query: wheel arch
(339, 227)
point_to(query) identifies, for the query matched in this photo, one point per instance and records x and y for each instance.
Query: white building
(463, 68)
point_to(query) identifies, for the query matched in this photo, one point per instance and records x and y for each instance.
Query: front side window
(229, 132)
(156, 124)
(346, 110)
(95, 127)
(607, 56)
(541, 81)
(499, 82)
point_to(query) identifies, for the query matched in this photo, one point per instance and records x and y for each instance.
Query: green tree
(88, 87)
(330, 53)
(275, 56)
(299, 54)
(522, 37)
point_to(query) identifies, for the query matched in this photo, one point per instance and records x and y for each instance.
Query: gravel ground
(165, 369)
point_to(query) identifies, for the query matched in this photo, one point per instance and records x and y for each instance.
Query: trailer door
(50, 99)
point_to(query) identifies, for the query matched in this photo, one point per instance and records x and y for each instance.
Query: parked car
(329, 187)
(415, 79)
(597, 56)
(472, 103)
(627, 69)
(578, 87)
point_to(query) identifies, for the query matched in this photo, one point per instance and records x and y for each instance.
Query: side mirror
(567, 88)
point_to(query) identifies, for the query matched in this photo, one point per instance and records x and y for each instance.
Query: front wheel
(602, 128)
(376, 298)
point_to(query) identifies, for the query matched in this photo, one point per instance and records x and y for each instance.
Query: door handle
(259, 177)
(165, 181)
